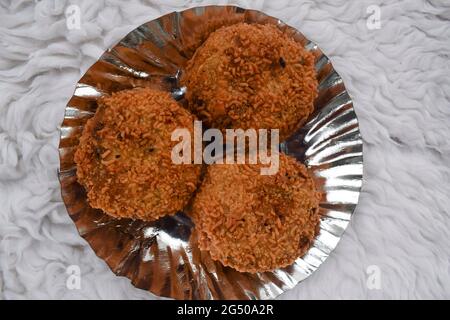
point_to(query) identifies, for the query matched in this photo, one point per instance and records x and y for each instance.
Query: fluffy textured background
(398, 77)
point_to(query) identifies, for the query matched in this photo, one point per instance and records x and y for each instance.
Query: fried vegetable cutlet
(124, 156)
(256, 223)
(251, 76)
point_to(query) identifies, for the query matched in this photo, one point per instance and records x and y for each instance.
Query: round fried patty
(256, 223)
(124, 156)
(251, 76)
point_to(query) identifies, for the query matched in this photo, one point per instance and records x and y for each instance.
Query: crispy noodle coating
(124, 156)
(256, 223)
(251, 76)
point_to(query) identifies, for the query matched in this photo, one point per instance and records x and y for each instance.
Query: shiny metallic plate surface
(159, 256)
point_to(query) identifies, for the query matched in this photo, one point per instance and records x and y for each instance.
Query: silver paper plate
(158, 256)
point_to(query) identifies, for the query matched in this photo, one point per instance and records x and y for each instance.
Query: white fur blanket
(398, 76)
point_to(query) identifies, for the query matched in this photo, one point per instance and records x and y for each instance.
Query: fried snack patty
(256, 223)
(124, 156)
(251, 76)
